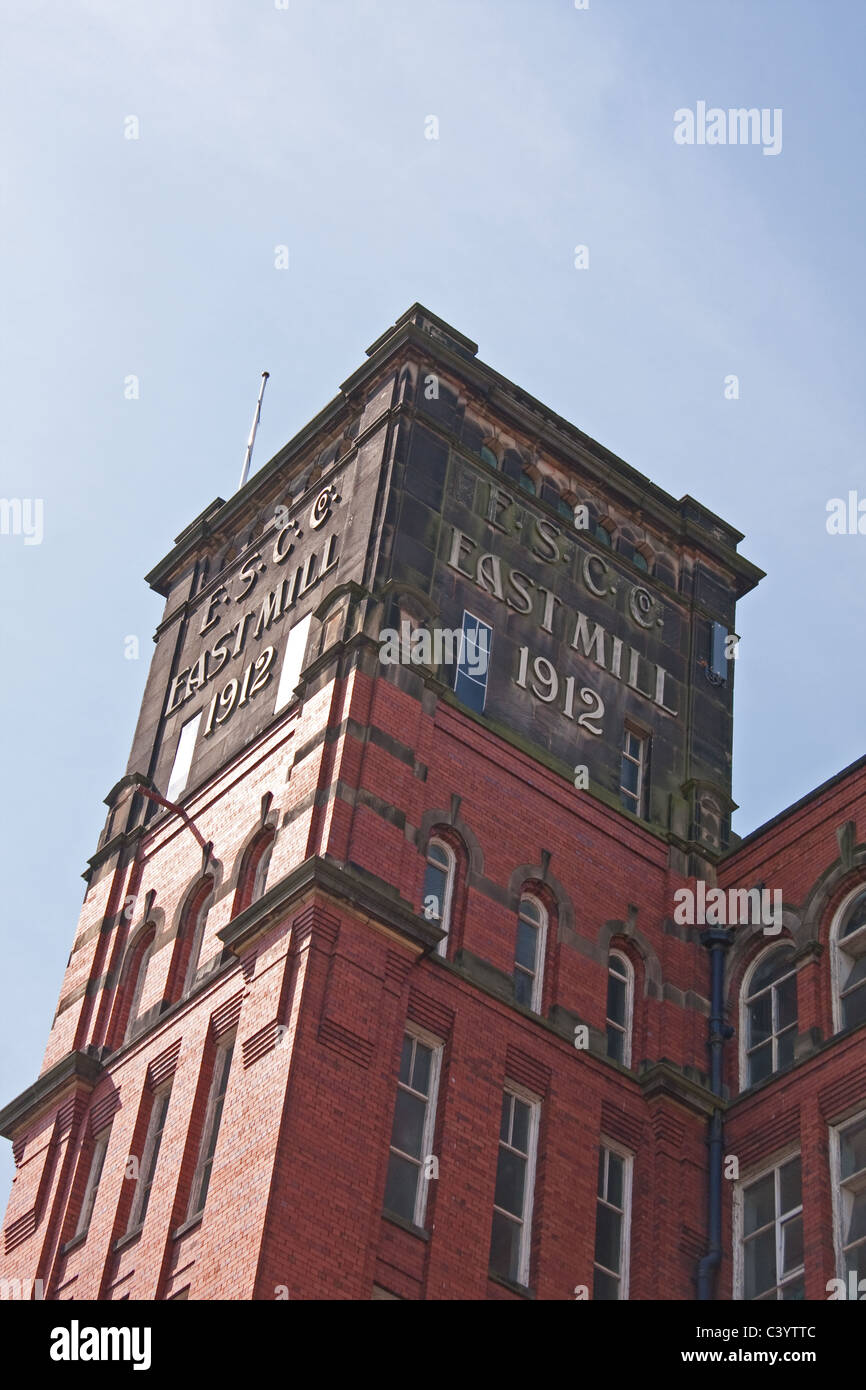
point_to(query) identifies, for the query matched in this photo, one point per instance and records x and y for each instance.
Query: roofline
(795, 806)
(677, 515)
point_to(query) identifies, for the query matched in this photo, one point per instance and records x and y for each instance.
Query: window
(529, 953)
(199, 908)
(470, 681)
(438, 887)
(139, 967)
(94, 1174)
(848, 1146)
(770, 1220)
(620, 994)
(515, 1180)
(602, 534)
(641, 561)
(849, 963)
(147, 1168)
(717, 665)
(769, 1023)
(528, 483)
(260, 876)
(293, 660)
(612, 1223)
(210, 1132)
(489, 457)
(183, 758)
(513, 465)
(412, 1131)
(254, 871)
(633, 778)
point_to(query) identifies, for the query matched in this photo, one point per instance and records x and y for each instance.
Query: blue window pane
(718, 660)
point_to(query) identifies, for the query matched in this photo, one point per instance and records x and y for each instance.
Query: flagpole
(245, 471)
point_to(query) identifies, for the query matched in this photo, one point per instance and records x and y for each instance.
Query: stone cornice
(346, 883)
(663, 1079)
(76, 1068)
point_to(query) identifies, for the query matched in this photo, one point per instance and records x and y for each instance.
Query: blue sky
(305, 127)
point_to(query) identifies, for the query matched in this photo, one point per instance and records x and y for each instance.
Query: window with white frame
(612, 1224)
(848, 1149)
(633, 772)
(769, 1226)
(438, 888)
(473, 662)
(515, 1181)
(144, 958)
(199, 907)
(409, 1169)
(529, 952)
(94, 1174)
(211, 1129)
(149, 1157)
(620, 996)
(849, 962)
(768, 1025)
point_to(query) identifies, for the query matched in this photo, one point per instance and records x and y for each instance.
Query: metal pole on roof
(245, 471)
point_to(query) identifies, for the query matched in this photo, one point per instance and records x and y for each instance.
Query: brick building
(401, 970)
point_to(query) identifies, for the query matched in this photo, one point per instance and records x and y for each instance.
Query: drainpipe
(717, 940)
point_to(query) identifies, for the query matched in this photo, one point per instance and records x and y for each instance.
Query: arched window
(488, 456)
(620, 996)
(254, 871)
(187, 946)
(528, 483)
(439, 888)
(197, 923)
(529, 952)
(849, 962)
(138, 966)
(769, 1015)
(602, 534)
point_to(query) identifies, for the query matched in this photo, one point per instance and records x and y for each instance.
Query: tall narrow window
(849, 1154)
(210, 1132)
(149, 1158)
(473, 662)
(529, 953)
(94, 1174)
(254, 871)
(139, 967)
(438, 888)
(772, 1235)
(769, 1024)
(849, 964)
(620, 994)
(183, 758)
(293, 660)
(194, 929)
(515, 1180)
(717, 664)
(612, 1223)
(633, 776)
(408, 1179)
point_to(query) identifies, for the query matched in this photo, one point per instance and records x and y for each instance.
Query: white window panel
(183, 758)
(293, 659)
